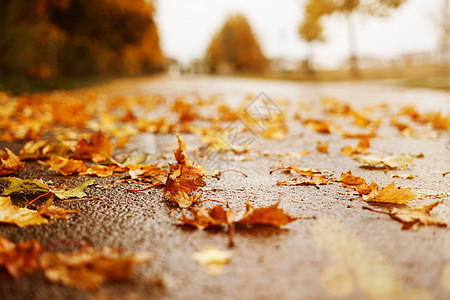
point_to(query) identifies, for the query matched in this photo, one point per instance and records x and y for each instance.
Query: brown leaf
(315, 180)
(413, 218)
(318, 125)
(100, 171)
(97, 149)
(362, 147)
(20, 258)
(89, 268)
(357, 183)
(207, 217)
(55, 212)
(183, 199)
(11, 164)
(183, 179)
(180, 154)
(297, 169)
(322, 147)
(271, 215)
(66, 166)
(417, 216)
(390, 194)
(19, 215)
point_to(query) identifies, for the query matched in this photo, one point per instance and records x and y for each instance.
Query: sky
(187, 26)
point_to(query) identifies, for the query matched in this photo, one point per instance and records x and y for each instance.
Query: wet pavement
(344, 253)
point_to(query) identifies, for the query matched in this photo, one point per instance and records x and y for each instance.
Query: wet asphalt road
(345, 253)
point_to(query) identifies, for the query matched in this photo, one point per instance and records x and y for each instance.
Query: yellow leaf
(19, 215)
(213, 259)
(390, 194)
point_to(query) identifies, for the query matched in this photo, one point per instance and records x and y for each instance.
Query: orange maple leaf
(390, 194)
(97, 149)
(272, 215)
(66, 166)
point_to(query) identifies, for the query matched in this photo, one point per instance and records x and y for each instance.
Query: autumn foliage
(49, 38)
(234, 48)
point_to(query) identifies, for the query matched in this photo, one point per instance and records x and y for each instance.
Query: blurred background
(57, 41)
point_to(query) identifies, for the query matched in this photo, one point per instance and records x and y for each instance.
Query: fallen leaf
(213, 259)
(76, 192)
(21, 258)
(183, 178)
(404, 176)
(180, 153)
(100, 171)
(54, 212)
(390, 194)
(413, 218)
(357, 183)
(37, 185)
(97, 149)
(322, 147)
(314, 180)
(207, 217)
(88, 268)
(318, 125)
(297, 169)
(66, 166)
(401, 161)
(19, 185)
(20, 216)
(272, 215)
(183, 199)
(11, 164)
(363, 145)
(44, 149)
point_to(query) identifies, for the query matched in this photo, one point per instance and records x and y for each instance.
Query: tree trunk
(353, 59)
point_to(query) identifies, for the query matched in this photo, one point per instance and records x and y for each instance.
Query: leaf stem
(43, 195)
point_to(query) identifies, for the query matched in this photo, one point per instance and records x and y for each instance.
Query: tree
(235, 47)
(311, 30)
(315, 10)
(45, 38)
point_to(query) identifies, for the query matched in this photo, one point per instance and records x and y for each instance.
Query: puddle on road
(354, 261)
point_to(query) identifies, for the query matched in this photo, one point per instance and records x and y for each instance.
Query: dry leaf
(55, 212)
(322, 147)
(404, 176)
(401, 161)
(19, 215)
(180, 153)
(390, 194)
(66, 166)
(207, 217)
(271, 215)
(99, 148)
(11, 164)
(37, 185)
(88, 268)
(100, 171)
(297, 169)
(20, 258)
(184, 200)
(413, 218)
(363, 145)
(357, 183)
(213, 259)
(183, 178)
(314, 180)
